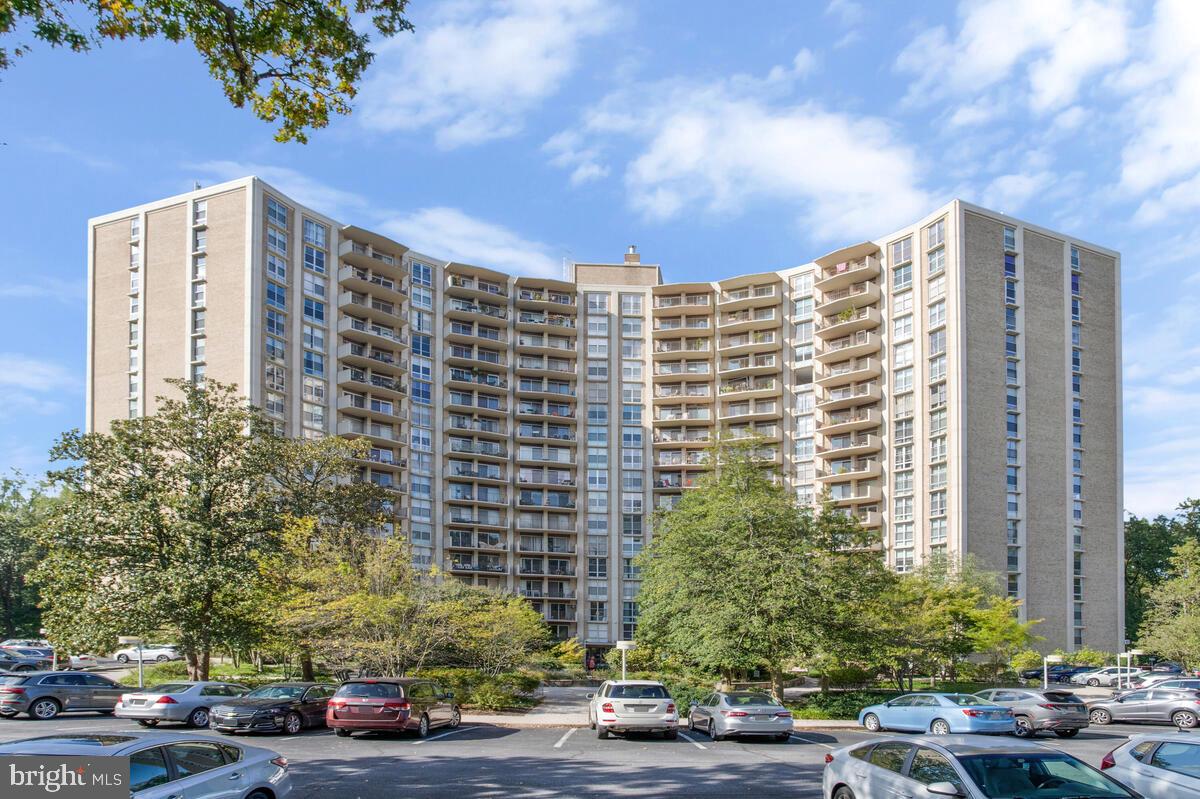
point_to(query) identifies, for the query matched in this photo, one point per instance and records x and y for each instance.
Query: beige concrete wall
(617, 275)
(110, 324)
(1102, 512)
(226, 346)
(984, 432)
(166, 273)
(1046, 437)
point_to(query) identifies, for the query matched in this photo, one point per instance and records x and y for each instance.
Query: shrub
(490, 696)
(848, 677)
(474, 688)
(162, 672)
(1026, 659)
(838, 705)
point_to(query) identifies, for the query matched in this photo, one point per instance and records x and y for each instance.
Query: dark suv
(391, 705)
(45, 694)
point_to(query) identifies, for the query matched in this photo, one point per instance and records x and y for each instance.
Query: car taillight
(607, 708)
(670, 707)
(404, 707)
(734, 713)
(280, 761)
(828, 758)
(783, 714)
(337, 703)
(124, 698)
(165, 700)
(1107, 761)
(10, 690)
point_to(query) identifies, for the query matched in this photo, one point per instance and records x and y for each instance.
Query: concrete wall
(110, 324)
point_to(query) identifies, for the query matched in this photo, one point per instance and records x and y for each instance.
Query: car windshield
(964, 700)
(1061, 696)
(638, 692)
(749, 699)
(1039, 776)
(12, 679)
(277, 692)
(80, 740)
(370, 690)
(169, 688)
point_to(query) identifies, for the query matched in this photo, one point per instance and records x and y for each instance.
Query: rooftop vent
(631, 255)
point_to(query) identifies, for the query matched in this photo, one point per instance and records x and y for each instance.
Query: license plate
(640, 708)
(761, 718)
(996, 714)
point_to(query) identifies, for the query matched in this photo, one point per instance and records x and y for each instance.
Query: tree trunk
(777, 682)
(306, 666)
(193, 667)
(205, 663)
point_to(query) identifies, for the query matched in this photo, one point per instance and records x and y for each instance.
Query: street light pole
(126, 640)
(624, 646)
(1046, 661)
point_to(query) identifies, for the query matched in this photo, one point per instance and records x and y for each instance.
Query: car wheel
(423, 727)
(1024, 727)
(198, 718)
(712, 731)
(1184, 719)
(939, 727)
(455, 718)
(148, 722)
(601, 732)
(1093, 682)
(691, 724)
(259, 795)
(23, 668)
(1066, 733)
(671, 735)
(783, 737)
(292, 723)
(1100, 716)
(44, 709)
(339, 732)
(161, 659)
(843, 793)
(871, 722)
(122, 658)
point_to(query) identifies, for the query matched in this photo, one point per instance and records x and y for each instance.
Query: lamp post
(624, 646)
(1129, 656)
(1046, 661)
(126, 640)
(53, 651)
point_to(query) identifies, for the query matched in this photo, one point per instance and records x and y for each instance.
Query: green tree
(1172, 624)
(294, 62)
(492, 632)
(1148, 547)
(22, 510)
(737, 577)
(998, 633)
(164, 527)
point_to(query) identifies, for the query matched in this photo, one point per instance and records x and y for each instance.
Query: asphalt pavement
(485, 760)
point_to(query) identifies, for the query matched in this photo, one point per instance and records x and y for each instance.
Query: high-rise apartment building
(954, 384)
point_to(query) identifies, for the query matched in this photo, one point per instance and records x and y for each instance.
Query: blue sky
(721, 138)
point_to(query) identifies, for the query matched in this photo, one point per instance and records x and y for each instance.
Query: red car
(391, 704)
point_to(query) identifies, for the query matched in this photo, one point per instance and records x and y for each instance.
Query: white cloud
(449, 233)
(720, 145)
(34, 386)
(478, 67)
(1163, 85)
(848, 12)
(567, 150)
(976, 113)
(1010, 193)
(55, 147)
(303, 188)
(1058, 44)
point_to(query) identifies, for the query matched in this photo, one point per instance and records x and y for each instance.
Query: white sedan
(151, 653)
(86, 661)
(1106, 676)
(1157, 764)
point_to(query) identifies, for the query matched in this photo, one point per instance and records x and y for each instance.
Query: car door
(149, 774)
(1130, 706)
(421, 697)
(1177, 764)
(1162, 703)
(312, 704)
(104, 692)
(925, 708)
(70, 691)
(202, 773)
(894, 715)
(928, 766)
(885, 779)
(704, 710)
(442, 705)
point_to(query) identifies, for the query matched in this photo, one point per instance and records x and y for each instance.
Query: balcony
(680, 302)
(668, 347)
(382, 311)
(755, 296)
(682, 369)
(746, 343)
(552, 300)
(487, 498)
(355, 354)
(678, 415)
(865, 494)
(840, 374)
(848, 397)
(848, 422)
(678, 438)
(466, 542)
(849, 446)
(488, 449)
(856, 296)
(746, 388)
(546, 480)
(527, 500)
(475, 377)
(475, 312)
(472, 358)
(351, 428)
(543, 434)
(478, 472)
(860, 470)
(458, 285)
(369, 332)
(846, 273)
(848, 321)
(364, 281)
(547, 344)
(740, 321)
(750, 412)
(480, 519)
(854, 345)
(527, 320)
(749, 365)
(384, 385)
(470, 334)
(467, 566)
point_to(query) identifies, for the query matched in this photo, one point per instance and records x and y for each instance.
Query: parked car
(388, 704)
(741, 713)
(1060, 712)
(1149, 678)
(1065, 675)
(164, 765)
(1168, 666)
(1052, 672)
(151, 653)
(1158, 764)
(45, 694)
(632, 706)
(286, 706)
(965, 766)
(14, 659)
(938, 713)
(40, 644)
(1177, 706)
(1105, 676)
(89, 661)
(184, 701)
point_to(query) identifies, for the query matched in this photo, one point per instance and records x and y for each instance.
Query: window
(276, 213)
(937, 449)
(1010, 239)
(198, 372)
(1010, 344)
(597, 302)
(276, 349)
(1012, 423)
(903, 483)
(276, 324)
(937, 368)
(937, 475)
(631, 327)
(631, 303)
(314, 285)
(901, 277)
(314, 311)
(199, 240)
(314, 338)
(903, 433)
(803, 308)
(135, 228)
(902, 251)
(937, 313)
(1010, 372)
(314, 233)
(1076, 309)
(1010, 292)
(1010, 318)
(937, 261)
(937, 422)
(276, 295)
(1012, 477)
(904, 457)
(937, 503)
(937, 342)
(276, 241)
(1010, 265)
(147, 769)
(903, 379)
(937, 287)
(199, 266)
(314, 259)
(902, 303)
(937, 396)
(314, 364)
(1075, 284)
(902, 327)
(902, 355)
(198, 322)
(935, 234)
(198, 295)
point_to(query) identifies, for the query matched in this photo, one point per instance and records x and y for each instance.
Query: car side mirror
(591, 696)
(943, 789)
(887, 704)
(448, 695)
(693, 704)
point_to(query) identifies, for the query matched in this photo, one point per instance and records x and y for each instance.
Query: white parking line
(692, 741)
(811, 741)
(443, 735)
(558, 744)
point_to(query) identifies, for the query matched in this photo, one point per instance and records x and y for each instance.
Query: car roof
(965, 745)
(44, 673)
(1172, 737)
(389, 680)
(105, 743)
(634, 682)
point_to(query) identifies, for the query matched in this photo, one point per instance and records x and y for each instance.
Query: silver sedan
(742, 713)
(183, 701)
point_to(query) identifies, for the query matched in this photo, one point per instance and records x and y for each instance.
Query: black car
(1166, 667)
(1066, 675)
(1053, 672)
(283, 706)
(16, 660)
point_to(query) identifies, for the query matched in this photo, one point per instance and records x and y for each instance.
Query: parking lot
(481, 760)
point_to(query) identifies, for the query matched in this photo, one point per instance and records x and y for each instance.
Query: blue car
(937, 713)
